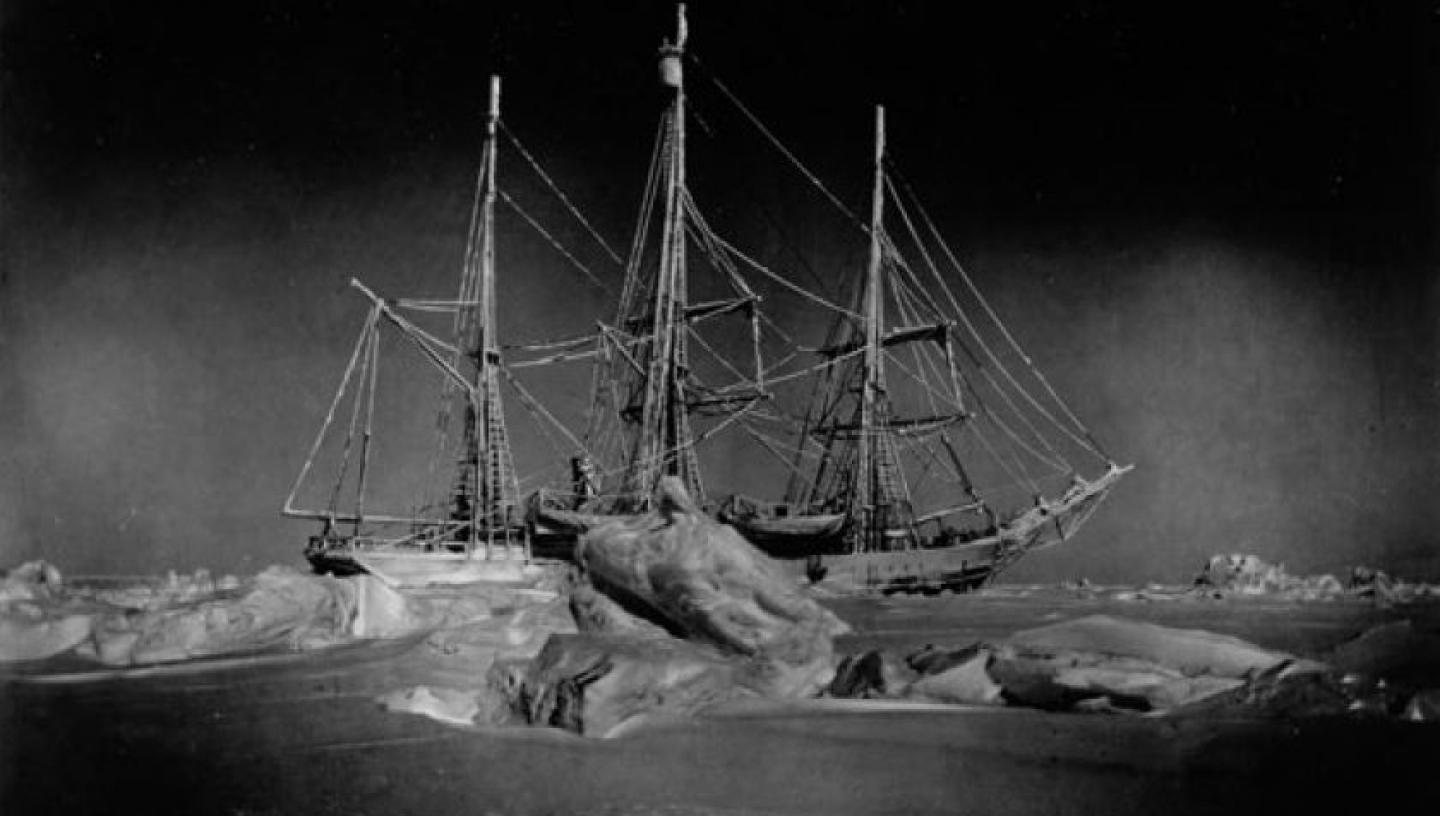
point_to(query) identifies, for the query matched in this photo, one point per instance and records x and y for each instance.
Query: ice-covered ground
(302, 733)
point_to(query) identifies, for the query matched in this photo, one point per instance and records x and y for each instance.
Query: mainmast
(866, 493)
(663, 443)
(488, 344)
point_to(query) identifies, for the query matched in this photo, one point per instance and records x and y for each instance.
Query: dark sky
(1213, 224)
(1059, 108)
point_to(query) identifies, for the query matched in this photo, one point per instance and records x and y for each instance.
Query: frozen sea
(302, 734)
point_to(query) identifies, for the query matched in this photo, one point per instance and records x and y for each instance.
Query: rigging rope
(566, 344)
(437, 306)
(533, 405)
(374, 364)
(462, 327)
(659, 157)
(925, 385)
(554, 242)
(603, 422)
(781, 363)
(1093, 444)
(724, 363)
(560, 194)
(760, 126)
(830, 364)
(771, 446)
(938, 314)
(360, 342)
(906, 301)
(707, 239)
(421, 339)
(925, 361)
(1010, 377)
(1019, 475)
(944, 464)
(660, 457)
(715, 249)
(1020, 415)
(365, 381)
(797, 289)
(1060, 465)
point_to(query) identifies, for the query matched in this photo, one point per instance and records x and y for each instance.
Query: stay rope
(560, 194)
(1091, 443)
(985, 347)
(360, 344)
(554, 242)
(780, 146)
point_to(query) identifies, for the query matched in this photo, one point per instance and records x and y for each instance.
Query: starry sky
(1213, 226)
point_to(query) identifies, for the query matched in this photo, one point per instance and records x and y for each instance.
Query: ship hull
(795, 535)
(787, 536)
(812, 547)
(938, 564)
(414, 568)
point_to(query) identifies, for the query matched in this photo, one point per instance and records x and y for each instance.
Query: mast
(484, 370)
(486, 489)
(867, 493)
(663, 443)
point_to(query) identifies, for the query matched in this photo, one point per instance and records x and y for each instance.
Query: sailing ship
(475, 531)
(878, 492)
(883, 498)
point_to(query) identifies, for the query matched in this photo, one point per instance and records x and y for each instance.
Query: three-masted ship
(920, 445)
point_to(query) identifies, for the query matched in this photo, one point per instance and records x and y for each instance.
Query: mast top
(671, 72)
(879, 133)
(494, 99)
